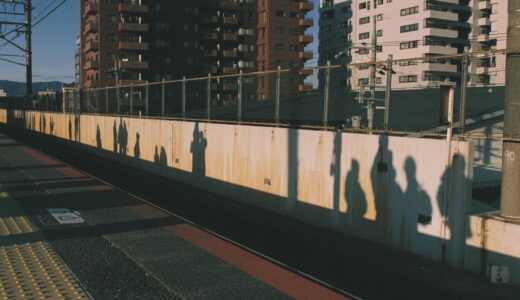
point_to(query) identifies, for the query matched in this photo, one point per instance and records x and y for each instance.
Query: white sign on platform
(65, 216)
(500, 274)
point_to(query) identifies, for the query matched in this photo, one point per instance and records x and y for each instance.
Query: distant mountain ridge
(15, 88)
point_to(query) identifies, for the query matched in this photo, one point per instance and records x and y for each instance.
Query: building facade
(335, 27)
(415, 29)
(282, 40)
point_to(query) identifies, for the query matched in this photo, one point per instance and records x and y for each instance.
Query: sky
(54, 43)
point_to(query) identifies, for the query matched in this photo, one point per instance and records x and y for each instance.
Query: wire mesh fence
(395, 95)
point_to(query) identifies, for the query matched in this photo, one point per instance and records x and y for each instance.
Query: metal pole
(510, 196)
(146, 97)
(240, 79)
(132, 99)
(28, 46)
(117, 93)
(208, 98)
(463, 93)
(184, 97)
(163, 90)
(388, 90)
(106, 99)
(373, 50)
(97, 100)
(277, 105)
(326, 96)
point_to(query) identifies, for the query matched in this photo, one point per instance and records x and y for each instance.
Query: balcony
(210, 35)
(129, 82)
(211, 53)
(210, 19)
(91, 8)
(134, 46)
(91, 46)
(91, 26)
(230, 21)
(211, 69)
(305, 55)
(90, 83)
(306, 6)
(306, 72)
(133, 27)
(230, 37)
(304, 88)
(134, 65)
(132, 8)
(229, 87)
(483, 21)
(306, 22)
(229, 53)
(306, 39)
(484, 5)
(440, 50)
(229, 70)
(92, 64)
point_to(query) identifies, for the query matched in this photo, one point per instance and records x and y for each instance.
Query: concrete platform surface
(127, 248)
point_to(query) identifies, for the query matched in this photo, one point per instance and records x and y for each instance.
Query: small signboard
(66, 216)
(500, 274)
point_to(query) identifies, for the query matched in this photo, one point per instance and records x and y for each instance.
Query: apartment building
(282, 39)
(489, 32)
(335, 27)
(77, 64)
(113, 39)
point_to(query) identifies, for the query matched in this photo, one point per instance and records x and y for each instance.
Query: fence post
(106, 99)
(240, 80)
(463, 93)
(89, 100)
(132, 99)
(326, 95)
(118, 98)
(146, 95)
(208, 98)
(184, 97)
(163, 91)
(388, 90)
(97, 100)
(277, 104)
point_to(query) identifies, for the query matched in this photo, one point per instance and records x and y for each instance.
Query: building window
(279, 47)
(408, 45)
(280, 30)
(410, 11)
(408, 78)
(293, 47)
(379, 17)
(364, 20)
(346, 10)
(411, 27)
(364, 5)
(293, 15)
(293, 31)
(364, 35)
(380, 32)
(363, 81)
(280, 13)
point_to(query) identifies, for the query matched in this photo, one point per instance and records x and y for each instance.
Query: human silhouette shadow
(418, 206)
(198, 150)
(454, 212)
(137, 147)
(355, 197)
(122, 137)
(76, 127)
(51, 125)
(70, 129)
(98, 138)
(160, 158)
(114, 132)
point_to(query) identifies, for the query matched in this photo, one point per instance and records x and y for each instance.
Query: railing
(406, 96)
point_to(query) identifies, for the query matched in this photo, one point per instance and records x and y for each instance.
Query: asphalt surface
(360, 268)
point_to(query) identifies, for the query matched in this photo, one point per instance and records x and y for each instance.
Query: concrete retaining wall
(402, 192)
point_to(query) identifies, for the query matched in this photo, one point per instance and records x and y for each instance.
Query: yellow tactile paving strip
(32, 270)
(16, 225)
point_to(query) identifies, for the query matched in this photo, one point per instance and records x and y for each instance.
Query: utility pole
(373, 56)
(28, 46)
(510, 196)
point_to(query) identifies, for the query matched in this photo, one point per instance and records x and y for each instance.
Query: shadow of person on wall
(156, 155)
(137, 147)
(76, 127)
(198, 151)
(114, 132)
(122, 137)
(417, 204)
(98, 138)
(355, 197)
(70, 129)
(454, 210)
(51, 125)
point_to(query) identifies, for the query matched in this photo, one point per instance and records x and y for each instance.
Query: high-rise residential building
(410, 29)
(113, 39)
(335, 26)
(415, 29)
(282, 41)
(489, 32)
